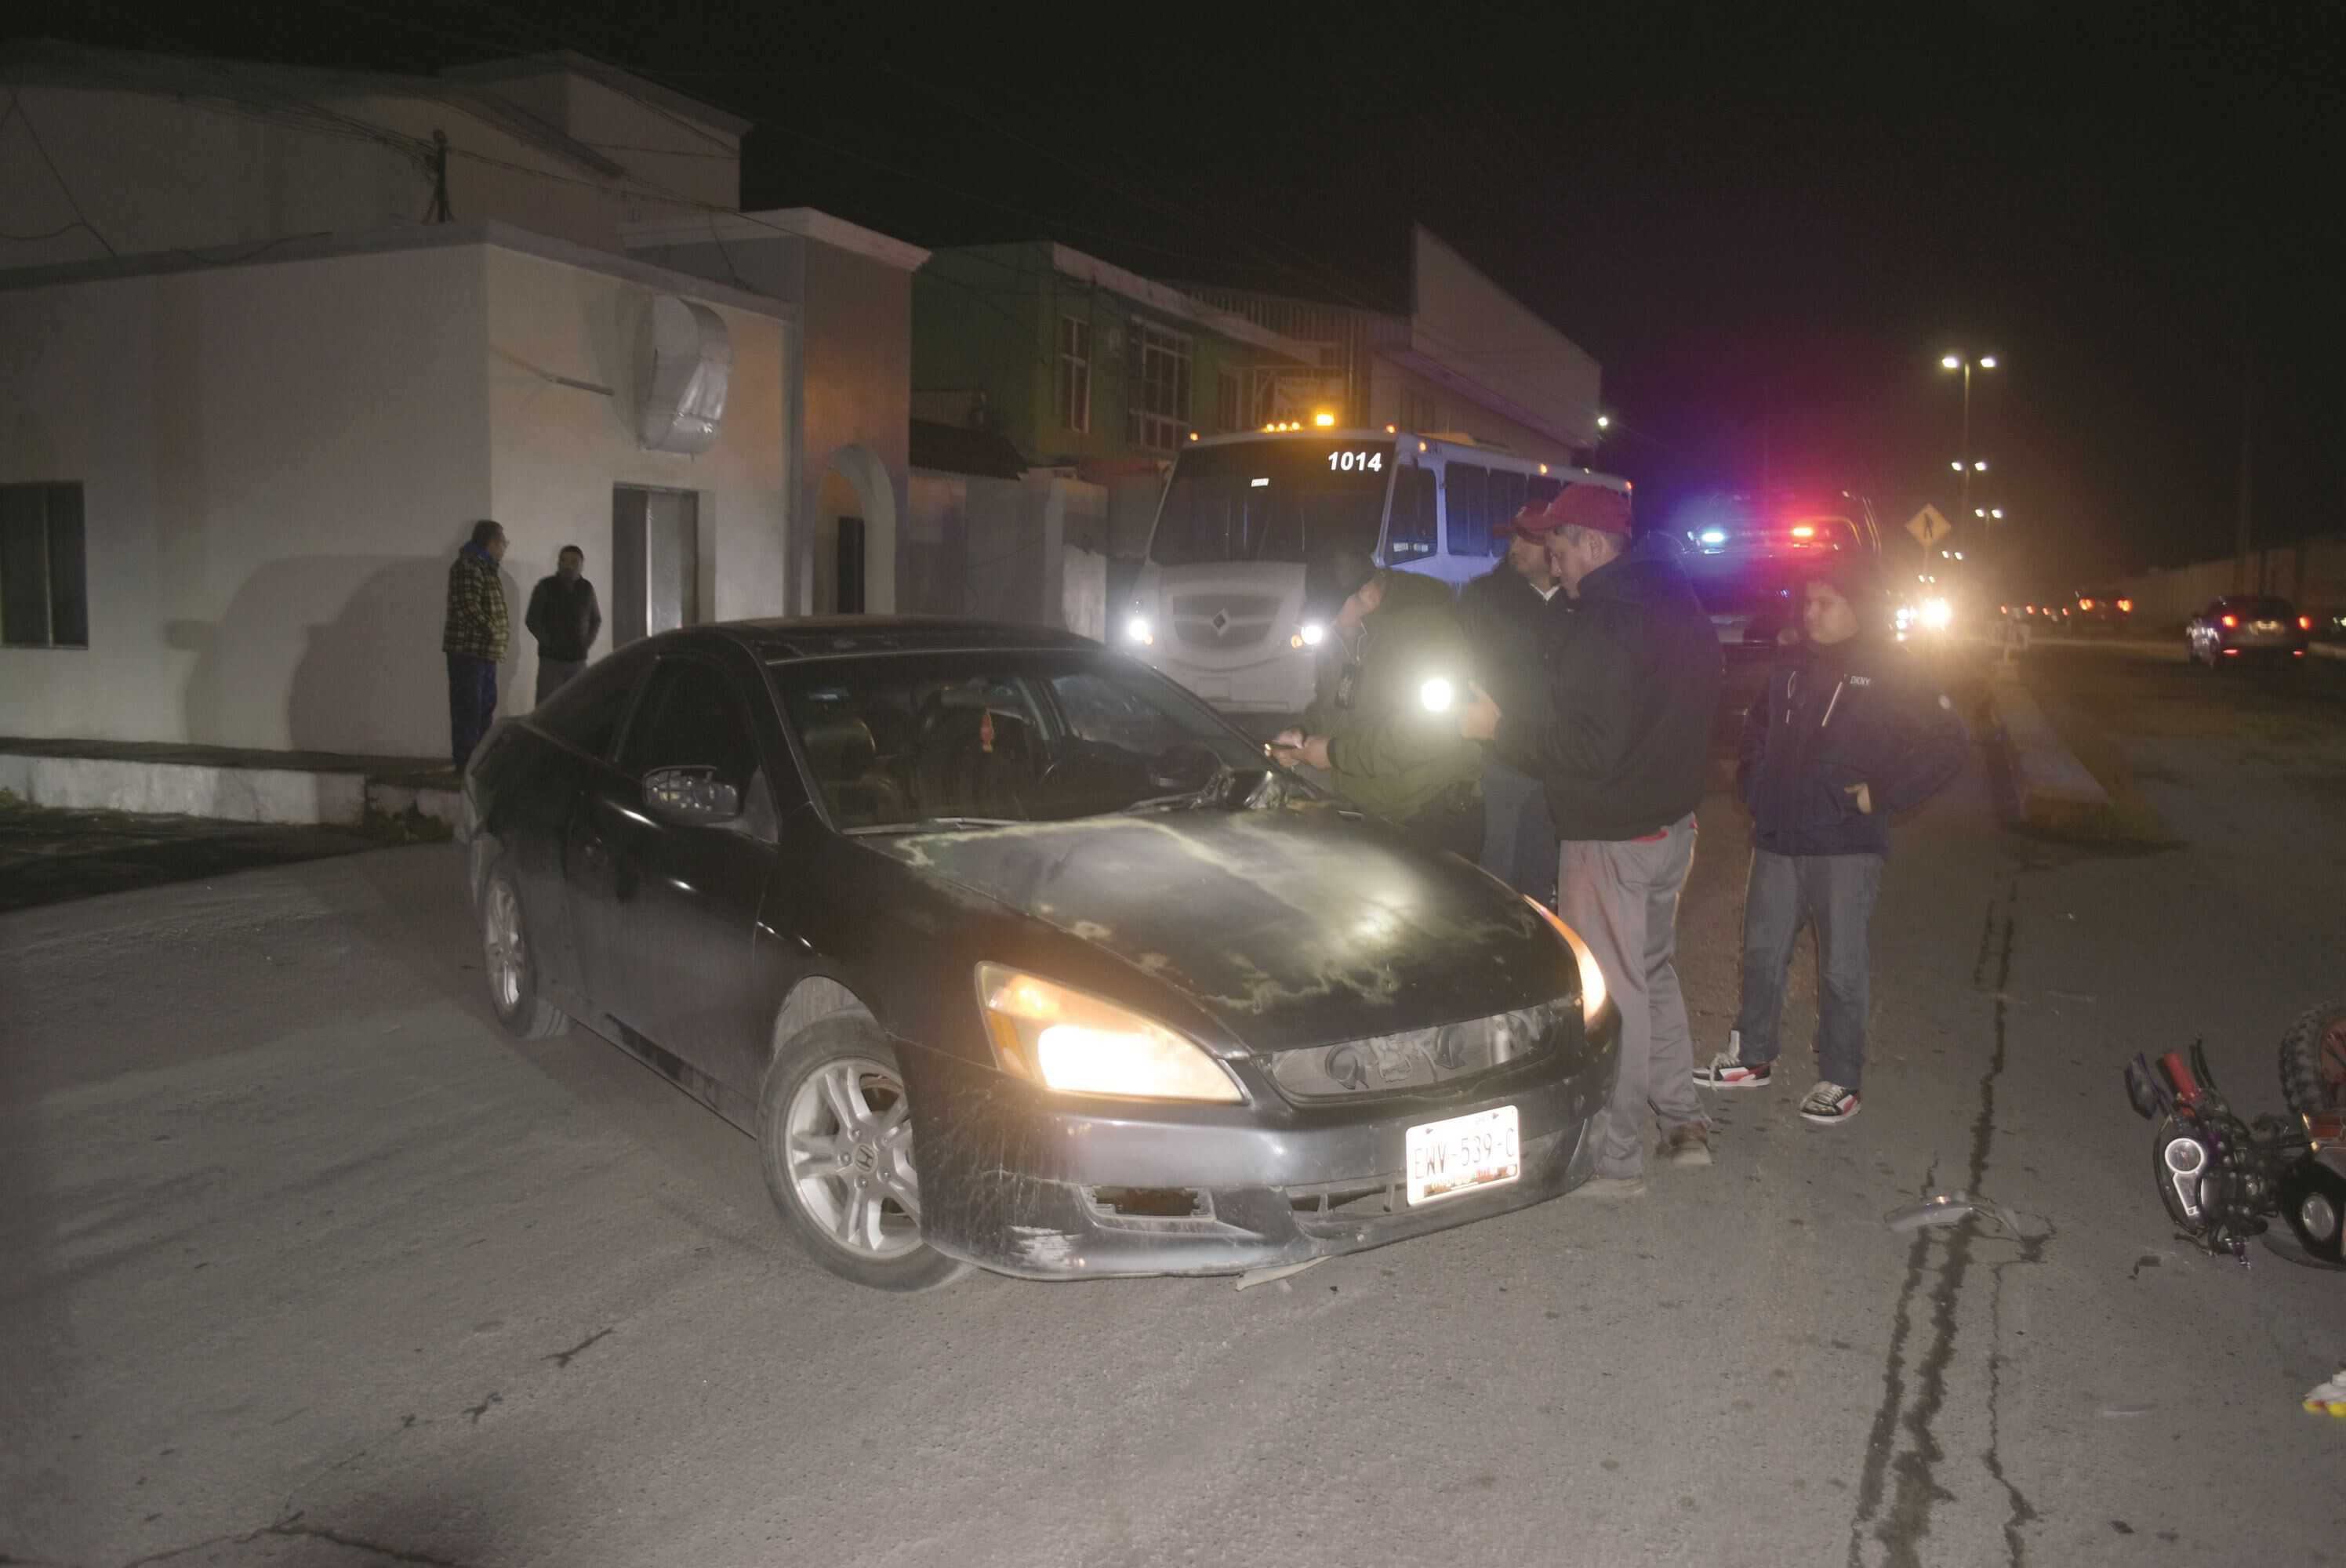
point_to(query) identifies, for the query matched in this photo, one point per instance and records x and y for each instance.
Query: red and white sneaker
(1828, 1103)
(1728, 1071)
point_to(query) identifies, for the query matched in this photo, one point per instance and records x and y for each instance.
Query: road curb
(2056, 793)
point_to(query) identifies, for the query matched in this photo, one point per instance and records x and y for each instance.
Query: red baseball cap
(1534, 522)
(1590, 506)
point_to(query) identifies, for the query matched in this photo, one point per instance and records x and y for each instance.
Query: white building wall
(557, 450)
(272, 484)
(279, 461)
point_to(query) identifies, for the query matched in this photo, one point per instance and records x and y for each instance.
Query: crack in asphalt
(562, 1359)
(1910, 1477)
(292, 1527)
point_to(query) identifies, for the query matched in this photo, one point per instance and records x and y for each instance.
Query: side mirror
(693, 795)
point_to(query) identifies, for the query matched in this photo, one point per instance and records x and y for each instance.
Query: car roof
(783, 639)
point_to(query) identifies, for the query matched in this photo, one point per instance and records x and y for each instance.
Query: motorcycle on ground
(2221, 1179)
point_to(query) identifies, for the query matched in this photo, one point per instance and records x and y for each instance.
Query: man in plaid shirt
(473, 637)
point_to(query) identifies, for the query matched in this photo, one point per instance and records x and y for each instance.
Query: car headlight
(1139, 630)
(1937, 614)
(1593, 1000)
(1078, 1045)
(1437, 694)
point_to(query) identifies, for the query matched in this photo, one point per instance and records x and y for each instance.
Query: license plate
(2268, 625)
(1447, 1159)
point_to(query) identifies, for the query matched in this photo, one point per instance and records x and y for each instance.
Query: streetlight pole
(1963, 363)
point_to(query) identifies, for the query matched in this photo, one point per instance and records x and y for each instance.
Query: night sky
(1768, 231)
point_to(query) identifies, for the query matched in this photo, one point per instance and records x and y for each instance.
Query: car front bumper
(1029, 1184)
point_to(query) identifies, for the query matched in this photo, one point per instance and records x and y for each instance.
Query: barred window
(1158, 408)
(44, 578)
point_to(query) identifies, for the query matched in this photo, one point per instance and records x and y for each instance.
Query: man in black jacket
(1509, 616)
(564, 618)
(1621, 740)
(1848, 732)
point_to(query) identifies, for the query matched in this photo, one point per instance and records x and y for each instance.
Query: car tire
(836, 1094)
(509, 961)
(2314, 1062)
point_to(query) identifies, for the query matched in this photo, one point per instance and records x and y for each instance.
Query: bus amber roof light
(1324, 421)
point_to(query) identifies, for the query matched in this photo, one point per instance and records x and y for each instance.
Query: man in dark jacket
(473, 635)
(1621, 741)
(1382, 723)
(564, 618)
(1849, 732)
(1508, 615)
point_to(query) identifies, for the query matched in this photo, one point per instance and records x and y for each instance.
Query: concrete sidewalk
(49, 856)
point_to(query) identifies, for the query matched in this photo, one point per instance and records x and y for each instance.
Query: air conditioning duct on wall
(684, 359)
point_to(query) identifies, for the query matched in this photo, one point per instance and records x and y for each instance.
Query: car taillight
(2126, 607)
(2231, 620)
(2305, 623)
(2085, 604)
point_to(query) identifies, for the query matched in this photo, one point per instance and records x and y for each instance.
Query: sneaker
(1728, 1069)
(1609, 1189)
(1687, 1143)
(1828, 1103)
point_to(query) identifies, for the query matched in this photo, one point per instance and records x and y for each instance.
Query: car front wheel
(510, 962)
(835, 1128)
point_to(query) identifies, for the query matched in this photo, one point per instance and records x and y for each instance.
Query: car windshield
(902, 740)
(1276, 500)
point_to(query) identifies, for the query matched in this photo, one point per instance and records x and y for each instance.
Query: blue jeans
(1518, 837)
(1787, 892)
(471, 703)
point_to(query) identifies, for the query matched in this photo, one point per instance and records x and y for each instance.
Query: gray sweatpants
(1623, 900)
(1788, 892)
(554, 674)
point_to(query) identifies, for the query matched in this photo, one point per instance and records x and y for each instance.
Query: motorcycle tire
(2314, 1062)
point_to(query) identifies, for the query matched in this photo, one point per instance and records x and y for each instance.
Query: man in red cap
(1508, 617)
(1621, 743)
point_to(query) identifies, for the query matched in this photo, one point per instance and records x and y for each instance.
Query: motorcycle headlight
(1077, 1045)
(1593, 1000)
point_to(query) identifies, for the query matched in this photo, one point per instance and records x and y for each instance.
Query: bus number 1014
(1356, 463)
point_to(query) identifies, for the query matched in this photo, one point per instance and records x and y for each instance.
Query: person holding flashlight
(1393, 669)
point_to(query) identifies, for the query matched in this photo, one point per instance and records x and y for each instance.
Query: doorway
(849, 555)
(655, 561)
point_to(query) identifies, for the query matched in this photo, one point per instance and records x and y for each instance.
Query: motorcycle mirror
(2199, 1068)
(2149, 1100)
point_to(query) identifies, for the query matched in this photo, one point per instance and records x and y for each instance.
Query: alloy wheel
(501, 944)
(847, 1141)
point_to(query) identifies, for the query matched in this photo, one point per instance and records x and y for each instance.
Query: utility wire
(16, 111)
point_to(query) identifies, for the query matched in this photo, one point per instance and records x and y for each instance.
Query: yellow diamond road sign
(1929, 526)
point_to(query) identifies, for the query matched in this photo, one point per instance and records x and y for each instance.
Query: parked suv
(2249, 627)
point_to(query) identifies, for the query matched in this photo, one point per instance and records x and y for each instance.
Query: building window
(43, 577)
(1076, 375)
(1158, 411)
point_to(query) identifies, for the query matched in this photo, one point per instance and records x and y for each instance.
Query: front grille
(1421, 1058)
(1223, 621)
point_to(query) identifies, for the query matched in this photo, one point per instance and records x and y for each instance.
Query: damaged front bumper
(1027, 1184)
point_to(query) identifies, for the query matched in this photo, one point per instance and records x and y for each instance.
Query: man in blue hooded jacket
(1849, 732)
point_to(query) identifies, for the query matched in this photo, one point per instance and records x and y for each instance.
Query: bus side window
(1506, 499)
(1411, 533)
(1465, 508)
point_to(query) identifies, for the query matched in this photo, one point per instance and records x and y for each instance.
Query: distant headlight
(1937, 614)
(1592, 979)
(1139, 630)
(1076, 1044)
(1437, 694)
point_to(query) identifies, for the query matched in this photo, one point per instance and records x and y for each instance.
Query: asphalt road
(310, 1264)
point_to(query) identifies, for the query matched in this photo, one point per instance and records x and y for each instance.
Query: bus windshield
(1272, 500)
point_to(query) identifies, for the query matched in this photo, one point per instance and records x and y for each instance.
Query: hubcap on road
(848, 1137)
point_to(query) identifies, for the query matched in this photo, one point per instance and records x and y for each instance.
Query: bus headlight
(1312, 634)
(1139, 630)
(1437, 694)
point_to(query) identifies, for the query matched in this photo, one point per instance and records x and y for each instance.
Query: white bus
(1219, 602)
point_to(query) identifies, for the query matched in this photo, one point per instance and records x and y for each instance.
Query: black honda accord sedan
(1009, 952)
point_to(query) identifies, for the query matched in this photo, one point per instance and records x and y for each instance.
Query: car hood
(1294, 926)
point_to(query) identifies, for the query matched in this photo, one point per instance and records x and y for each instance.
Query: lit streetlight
(1958, 360)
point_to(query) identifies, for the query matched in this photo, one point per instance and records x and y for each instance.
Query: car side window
(587, 713)
(691, 716)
